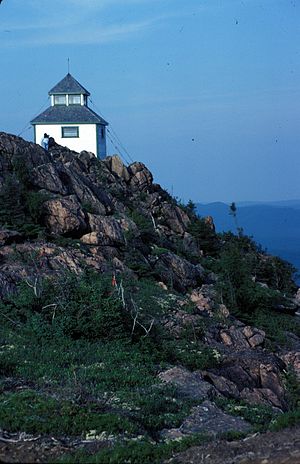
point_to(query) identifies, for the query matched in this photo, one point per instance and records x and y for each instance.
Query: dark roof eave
(69, 93)
(34, 123)
(74, 114)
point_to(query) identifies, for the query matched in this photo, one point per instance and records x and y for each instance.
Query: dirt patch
(269, 448)
(40, 449)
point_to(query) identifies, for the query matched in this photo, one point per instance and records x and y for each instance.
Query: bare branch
(153, 221)
(9, 319)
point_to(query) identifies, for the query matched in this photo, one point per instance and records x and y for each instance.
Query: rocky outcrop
(205, 298)
(253, 376)
(64, 216)
(242, 337)
(46, 177)
(223, 385)
(30, 261)
(178, 272)
(172, 217)
(237, 336)
(116, 166)
(141, 178)
(17, 153)
(188, 384)
(209, 419)
(104, 231)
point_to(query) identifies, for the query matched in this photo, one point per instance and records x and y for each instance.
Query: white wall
(87, 139)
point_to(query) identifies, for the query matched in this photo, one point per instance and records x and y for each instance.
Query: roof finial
(68, 65)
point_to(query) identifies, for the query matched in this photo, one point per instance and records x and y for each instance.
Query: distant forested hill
(275, 225)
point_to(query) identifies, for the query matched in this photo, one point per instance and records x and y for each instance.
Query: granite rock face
(64, 216)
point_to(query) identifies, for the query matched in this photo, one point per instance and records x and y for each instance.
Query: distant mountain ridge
(274, 225)
(281, 203)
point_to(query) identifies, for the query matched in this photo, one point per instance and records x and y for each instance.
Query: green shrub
(292, 386)
(144, 224)
(259, 416)
(12, 211)
(20, 208)
(135, 260)
(288, 419)
(277, 274)
(88, 207)
(276, 327)
(160, 408)
(34, 413)
(206, 238)
(237, 268)
(191, 354)
(158, 251)
(74, 306)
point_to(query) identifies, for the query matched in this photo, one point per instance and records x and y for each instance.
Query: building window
(74, 99)
(60, 100)
(70, 132)
(102, 132)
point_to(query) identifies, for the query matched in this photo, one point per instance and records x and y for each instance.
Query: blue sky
(204, 92)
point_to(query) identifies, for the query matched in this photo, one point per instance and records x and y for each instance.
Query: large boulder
(116, 166)
(262, 396)
(64, 216)
(178, 272)
(47, 177)
(90, 194)
(242, 337)
(105, 230)
(222, 384)
(209, 420)
(173, 217)
(188, 384)
(141, 178)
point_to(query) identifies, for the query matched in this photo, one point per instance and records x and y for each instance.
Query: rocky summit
(132, 331)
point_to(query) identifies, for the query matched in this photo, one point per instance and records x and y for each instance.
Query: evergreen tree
(12, 208)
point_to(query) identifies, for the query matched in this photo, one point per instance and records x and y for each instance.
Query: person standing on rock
(51, 142)
(45, 141)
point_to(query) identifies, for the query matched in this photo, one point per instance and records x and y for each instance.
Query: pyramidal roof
(68, 85)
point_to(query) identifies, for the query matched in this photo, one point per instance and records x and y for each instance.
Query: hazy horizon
(255, 202)
(204, 92)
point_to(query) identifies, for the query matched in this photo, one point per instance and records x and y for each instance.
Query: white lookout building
(70, 121)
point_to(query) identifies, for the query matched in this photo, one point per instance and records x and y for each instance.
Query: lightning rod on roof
(68, 65)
